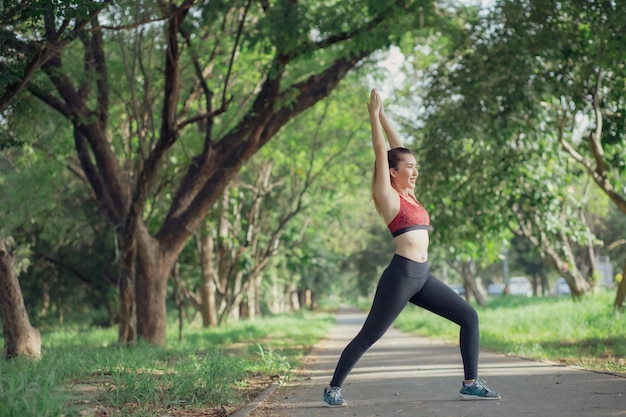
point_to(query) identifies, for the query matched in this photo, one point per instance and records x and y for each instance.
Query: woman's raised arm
(381, 185)
(392, 135)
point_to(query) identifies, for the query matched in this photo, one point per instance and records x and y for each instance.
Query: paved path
(405, 375)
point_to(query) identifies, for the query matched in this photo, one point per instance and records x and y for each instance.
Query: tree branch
(234, 50)
(49, 99)
(39, 55)
(595, 138)
(73, 270)
(599, 176)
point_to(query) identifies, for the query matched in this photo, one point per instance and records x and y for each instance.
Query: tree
(237, 71)
(71, 268)
(268, 209)
(20, 338)
(515, 86)
(29, 36)
(573, 57)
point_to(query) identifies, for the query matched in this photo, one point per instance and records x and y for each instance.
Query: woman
(407, 278)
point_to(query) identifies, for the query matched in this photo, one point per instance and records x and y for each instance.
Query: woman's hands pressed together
(374, 106)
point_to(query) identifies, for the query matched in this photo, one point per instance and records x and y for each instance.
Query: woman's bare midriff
(413, 245)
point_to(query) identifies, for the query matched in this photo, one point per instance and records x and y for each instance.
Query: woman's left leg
(437, 297)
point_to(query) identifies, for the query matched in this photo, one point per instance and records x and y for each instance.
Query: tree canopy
(164, 114)
(526, 90)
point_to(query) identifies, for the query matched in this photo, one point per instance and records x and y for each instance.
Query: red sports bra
(410, 217)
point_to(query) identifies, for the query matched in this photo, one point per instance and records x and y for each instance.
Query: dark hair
(394, 157)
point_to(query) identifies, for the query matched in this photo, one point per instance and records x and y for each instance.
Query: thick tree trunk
(153, 271)
(143, 288)
(127, 332)
(20, 338)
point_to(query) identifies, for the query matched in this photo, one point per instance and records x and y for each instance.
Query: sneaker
(333, 397)
(478, 391)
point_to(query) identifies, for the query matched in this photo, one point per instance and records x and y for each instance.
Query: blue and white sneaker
(333, 397)
(478, 391)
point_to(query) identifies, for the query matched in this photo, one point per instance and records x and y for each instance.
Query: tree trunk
(180, 294)
(275, 305)
(565, 265)
(620, 297)
(127, 331)
(251, 300)
(208, 291)
(466, 270)
(244, 312)
(20, 338)
(144, 273)
(545, 286)
(292, 290)
(257, 295)
(153, 271)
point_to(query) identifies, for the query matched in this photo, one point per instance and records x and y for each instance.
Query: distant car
(520, 286)
(495, 289)
(562, 287)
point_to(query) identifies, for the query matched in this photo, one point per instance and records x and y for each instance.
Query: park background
(173, 171)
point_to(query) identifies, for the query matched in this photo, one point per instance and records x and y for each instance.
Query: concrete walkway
(405, 375)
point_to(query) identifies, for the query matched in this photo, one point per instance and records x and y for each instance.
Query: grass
(586, 332)
(84, 372)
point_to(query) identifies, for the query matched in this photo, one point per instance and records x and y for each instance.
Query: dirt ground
(84, 397)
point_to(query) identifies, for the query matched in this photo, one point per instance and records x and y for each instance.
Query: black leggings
(407, 281)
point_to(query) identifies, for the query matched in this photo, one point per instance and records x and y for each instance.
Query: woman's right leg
(392, 294)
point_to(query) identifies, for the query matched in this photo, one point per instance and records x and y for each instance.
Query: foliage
(167, 102)
(339, 224)
(70, 263)
(501, 113)
(610, 230)
(31, 33)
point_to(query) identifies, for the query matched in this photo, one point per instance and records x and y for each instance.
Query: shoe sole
(344, 404)
(465, 397)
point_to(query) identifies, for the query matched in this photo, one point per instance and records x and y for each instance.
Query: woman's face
(406, 174)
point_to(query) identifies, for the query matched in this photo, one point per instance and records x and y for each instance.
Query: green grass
(85, 372)
(586, 332)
